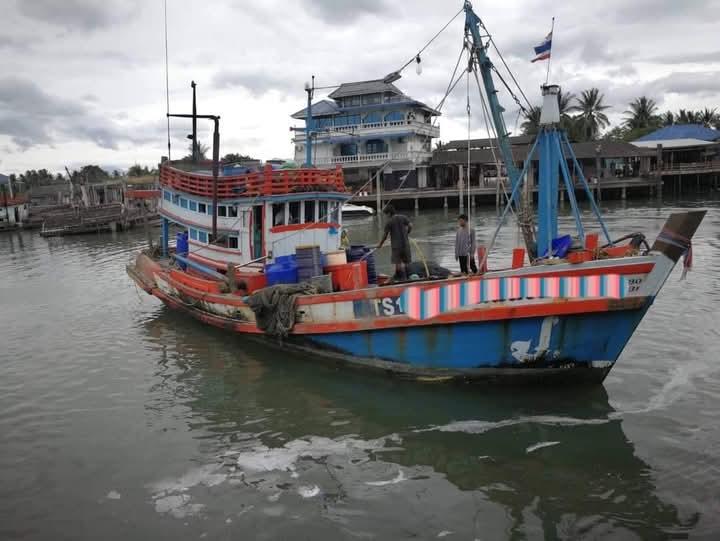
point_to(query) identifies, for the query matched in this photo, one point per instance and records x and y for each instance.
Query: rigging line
(413, 57)
(459, 78)
(512, 75)
(492, 133)
(167, 84)
(452, 78)
(467, 173)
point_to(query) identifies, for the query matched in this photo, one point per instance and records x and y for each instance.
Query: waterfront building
(371, 126)
(14, 207)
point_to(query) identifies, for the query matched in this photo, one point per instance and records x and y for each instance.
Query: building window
(193, 205)
(202, 236)
(167, 196)
(294, 212)
(193, 234)
(176, 199)
(232, 211)
(183, 202)
(373, 118)
(233, 242)
(376, 146)
(222, 210)
(278, 214)
(371, 99)
(202, 208)
(395, 116)
(309, 211)
(348, 149)
(322, 211)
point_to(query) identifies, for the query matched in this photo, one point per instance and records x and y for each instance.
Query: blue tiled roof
(321, 108)
(683, 131)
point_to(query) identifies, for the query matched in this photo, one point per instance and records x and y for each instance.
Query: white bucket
(337, 257)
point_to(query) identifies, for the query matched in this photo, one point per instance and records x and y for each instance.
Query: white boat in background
(348, 209)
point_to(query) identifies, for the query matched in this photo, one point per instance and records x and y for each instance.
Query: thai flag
(542, 51)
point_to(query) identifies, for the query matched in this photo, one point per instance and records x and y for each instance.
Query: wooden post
(417, 203)
(623, 193)
(378, 196)
(231, 278)
(445, 203)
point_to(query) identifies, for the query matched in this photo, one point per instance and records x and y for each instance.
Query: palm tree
(688, 117)
(531, 122)
(590, 118)
(642, 113)
(708, 117)
(668, 118)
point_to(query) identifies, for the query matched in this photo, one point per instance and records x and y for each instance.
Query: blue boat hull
(509, 347)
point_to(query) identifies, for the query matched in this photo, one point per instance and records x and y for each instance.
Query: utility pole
(194, 125)
(310, 89)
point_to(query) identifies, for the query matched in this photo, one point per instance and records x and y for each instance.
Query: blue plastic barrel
(281, 274)
(181, 247)
(286, 260)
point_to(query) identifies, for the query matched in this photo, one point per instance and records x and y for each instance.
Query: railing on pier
(711, 166)
(269, 181)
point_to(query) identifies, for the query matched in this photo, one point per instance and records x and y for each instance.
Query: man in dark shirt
(398, 228)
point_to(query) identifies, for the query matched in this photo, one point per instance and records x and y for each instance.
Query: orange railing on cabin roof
(269, 181)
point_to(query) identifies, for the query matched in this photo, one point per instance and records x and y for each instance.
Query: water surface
(120, 419)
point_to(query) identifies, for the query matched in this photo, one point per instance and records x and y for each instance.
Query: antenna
(167, 84)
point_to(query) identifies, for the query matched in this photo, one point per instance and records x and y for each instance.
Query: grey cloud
(256, 82)
(653, 10)
(79, 14)
(345, 11)
(31, 117)
(15, 43)
(686, 58)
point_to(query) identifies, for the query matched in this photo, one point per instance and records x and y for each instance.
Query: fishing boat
(260, 254)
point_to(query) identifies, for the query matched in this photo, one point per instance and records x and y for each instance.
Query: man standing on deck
(465, 245)
(398, 228)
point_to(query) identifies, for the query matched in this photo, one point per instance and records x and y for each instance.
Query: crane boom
(472, 27)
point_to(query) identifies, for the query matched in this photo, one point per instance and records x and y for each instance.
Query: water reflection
(532, 464)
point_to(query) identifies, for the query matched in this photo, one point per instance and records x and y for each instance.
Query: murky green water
(122, 420)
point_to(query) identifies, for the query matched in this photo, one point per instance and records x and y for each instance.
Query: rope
(416, 55)
(422, 256)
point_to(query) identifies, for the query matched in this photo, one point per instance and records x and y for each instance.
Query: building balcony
(381, 129)
(375, 159)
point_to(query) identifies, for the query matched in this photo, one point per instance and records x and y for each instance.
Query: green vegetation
(586, 120)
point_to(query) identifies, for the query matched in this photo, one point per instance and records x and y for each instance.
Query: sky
(83, 81)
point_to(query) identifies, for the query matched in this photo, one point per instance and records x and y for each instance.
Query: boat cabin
(260, 215)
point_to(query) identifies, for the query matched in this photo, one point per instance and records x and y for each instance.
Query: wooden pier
(612, 188)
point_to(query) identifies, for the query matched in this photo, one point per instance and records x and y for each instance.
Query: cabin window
(202, 236)
(232, 211)
(278, 214)
(167, 196)
(193, 205)
(202, 208)
(176, 199)
(183, 202)
(334, 216)
(210, 209)
(309, 211)
(222, 210)
(233, 242)
(322, 211)
(294, 212)
(193, 234)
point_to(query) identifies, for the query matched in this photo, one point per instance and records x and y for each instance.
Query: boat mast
(472, 26)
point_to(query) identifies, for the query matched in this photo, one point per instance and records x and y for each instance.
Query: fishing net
(275, 307)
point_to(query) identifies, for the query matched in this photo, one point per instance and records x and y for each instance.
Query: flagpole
(552, 34)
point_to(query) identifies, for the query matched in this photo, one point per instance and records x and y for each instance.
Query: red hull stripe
(553, 307)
